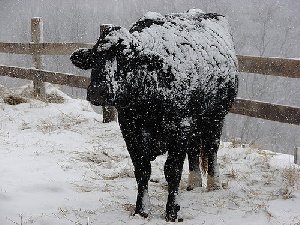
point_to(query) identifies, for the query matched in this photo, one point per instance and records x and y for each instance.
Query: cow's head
(107, 61)
(108, 81)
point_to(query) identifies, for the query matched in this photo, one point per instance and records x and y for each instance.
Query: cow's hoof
(189, 188)
(213, 183)
(172, 212)
(142, 214)
(194, 180)
(173, 218)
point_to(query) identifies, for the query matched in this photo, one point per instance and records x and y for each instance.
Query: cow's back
(198, 50)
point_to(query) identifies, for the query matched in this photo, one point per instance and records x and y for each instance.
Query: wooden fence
(249, 64)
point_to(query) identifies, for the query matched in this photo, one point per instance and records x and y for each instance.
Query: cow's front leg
(142, 175)
(140, 160)
(173, 171)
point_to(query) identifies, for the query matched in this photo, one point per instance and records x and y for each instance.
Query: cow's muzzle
(97, 94)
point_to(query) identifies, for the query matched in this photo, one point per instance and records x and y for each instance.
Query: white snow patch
(146, 202)
(61, 165)
(195, 11)
(154, 16)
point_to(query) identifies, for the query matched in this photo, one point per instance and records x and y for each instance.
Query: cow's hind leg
(195, 178)
(211, 142)
(173, 171)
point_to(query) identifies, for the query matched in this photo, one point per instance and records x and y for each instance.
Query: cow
(172, 79)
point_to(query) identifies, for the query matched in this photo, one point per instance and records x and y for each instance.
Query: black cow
(172, 79)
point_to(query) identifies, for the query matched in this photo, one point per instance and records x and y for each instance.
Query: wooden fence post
(37, 37)
(297, 155)
(109, 112)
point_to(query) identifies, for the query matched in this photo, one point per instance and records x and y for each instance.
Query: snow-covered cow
(172, 79)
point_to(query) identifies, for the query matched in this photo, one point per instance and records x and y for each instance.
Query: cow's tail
(204, 161)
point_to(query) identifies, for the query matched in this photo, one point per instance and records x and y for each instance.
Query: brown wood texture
(46, 76)
(42, 48)
(267, 111)
(269, 66)
(37, 37)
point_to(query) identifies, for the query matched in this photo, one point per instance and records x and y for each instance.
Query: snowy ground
(61, 165)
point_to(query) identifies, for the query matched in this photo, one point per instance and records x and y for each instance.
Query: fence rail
(42, 48)
(45, 76)
(267, 111)
(270, 66)
(258, 109)
(249, 64)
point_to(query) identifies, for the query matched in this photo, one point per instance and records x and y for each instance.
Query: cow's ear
(109, 31)
(115, 36)
(83, 58)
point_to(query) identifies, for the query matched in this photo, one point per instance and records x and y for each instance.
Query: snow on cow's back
(193, 52)
(196, 45)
